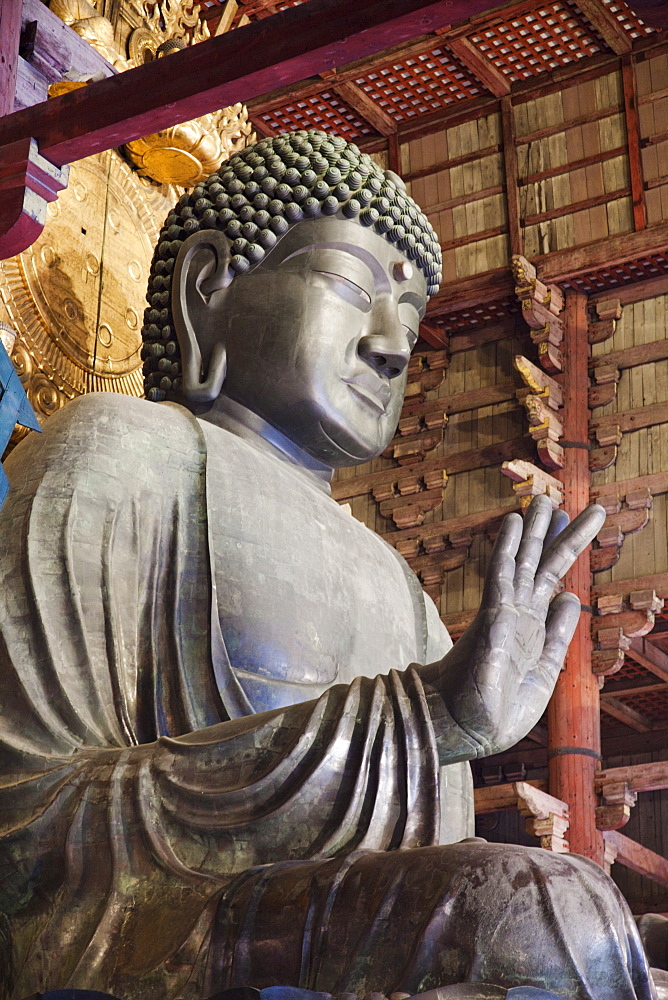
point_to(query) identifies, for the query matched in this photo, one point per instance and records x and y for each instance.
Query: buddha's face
(318, 338)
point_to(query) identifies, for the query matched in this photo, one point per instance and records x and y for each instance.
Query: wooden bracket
(530, 481)
(620, 618)
(409, 512)
(545, 816)
(617, 801)
(604, 390)
(603, 322)
(541, 305)
(426, 372)
(625, 515)
(28, 182)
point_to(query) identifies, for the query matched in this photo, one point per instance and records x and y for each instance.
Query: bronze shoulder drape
(119, 833)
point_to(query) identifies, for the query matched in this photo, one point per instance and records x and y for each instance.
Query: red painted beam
(273, 52)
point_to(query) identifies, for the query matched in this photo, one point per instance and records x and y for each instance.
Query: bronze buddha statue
(224, 760)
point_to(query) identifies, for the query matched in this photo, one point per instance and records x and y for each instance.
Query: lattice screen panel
(628, 19)
(621, 274)
(653, 705)
(420, 84)
(540, 41)
(325, 111)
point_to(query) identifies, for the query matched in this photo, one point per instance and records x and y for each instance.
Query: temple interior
(532, 137)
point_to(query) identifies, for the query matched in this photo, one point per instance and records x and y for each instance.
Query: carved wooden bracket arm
(28, 182)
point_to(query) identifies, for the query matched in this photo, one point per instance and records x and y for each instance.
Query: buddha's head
(293, 282)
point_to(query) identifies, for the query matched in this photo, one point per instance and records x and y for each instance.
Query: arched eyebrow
(381, 280)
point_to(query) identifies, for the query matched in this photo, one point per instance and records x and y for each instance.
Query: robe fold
(155, 841)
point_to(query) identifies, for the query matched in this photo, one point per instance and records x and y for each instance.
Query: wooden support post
(633, 139)
(10, 33)
(573, 713)
(394, 153)
(511, 172)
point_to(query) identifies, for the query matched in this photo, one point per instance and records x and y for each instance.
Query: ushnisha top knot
(254, 198)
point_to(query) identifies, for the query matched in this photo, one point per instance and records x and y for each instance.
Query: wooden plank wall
(573, 171)
(457, 178)
(641, 452)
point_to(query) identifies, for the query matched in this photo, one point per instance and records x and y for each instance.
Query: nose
(385, 348)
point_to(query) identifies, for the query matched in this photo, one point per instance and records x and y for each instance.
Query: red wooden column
(573, 714)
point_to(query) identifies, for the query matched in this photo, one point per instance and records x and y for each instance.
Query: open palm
(495, 682)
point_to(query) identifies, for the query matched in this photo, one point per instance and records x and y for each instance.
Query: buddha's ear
(201, 273)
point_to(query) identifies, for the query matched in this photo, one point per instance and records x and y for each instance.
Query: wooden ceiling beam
(638, 858)
(366, 107)
(453, 296)
(657, 582)
(651, 777)
(633, 140)
(560, 265)
(649, 656)
(624, 713)
(607, 25)
(622, 690)
(481, 67)
(236, 66)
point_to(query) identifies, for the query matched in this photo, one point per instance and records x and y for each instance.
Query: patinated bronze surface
(223, 760)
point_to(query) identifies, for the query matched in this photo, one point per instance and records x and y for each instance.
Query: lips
(372, 388)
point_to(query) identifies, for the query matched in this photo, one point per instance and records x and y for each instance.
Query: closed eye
(347, 290)
(411, 336)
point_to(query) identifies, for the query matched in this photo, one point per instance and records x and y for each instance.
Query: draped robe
(156, 841)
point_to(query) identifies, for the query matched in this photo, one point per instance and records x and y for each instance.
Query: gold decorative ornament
(75, 299)
(186, 154)
(97, 30)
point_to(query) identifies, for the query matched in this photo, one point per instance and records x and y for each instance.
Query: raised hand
(493, 686)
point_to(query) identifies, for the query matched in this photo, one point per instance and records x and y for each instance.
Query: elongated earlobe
(201, 270)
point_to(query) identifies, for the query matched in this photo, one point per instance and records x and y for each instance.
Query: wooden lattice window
(539, 41)
(420, 84)
(325, 111)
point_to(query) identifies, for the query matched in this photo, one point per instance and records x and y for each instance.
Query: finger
(563, 552)
(537, 686)
(498, 587)
(536, 524)
(559, 521)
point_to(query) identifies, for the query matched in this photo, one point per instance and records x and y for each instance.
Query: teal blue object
(14, 409)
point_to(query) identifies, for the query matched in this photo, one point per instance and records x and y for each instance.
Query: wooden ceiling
(485, 57)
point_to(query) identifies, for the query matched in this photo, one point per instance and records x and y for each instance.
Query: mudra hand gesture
(495, 682)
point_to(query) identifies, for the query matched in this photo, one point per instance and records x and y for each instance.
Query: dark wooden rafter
(625, 714)
(633, 140)
(638, 858)
(511, 171)
(365, 106)
(563, 264)
(607, 25)
(479, 65)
